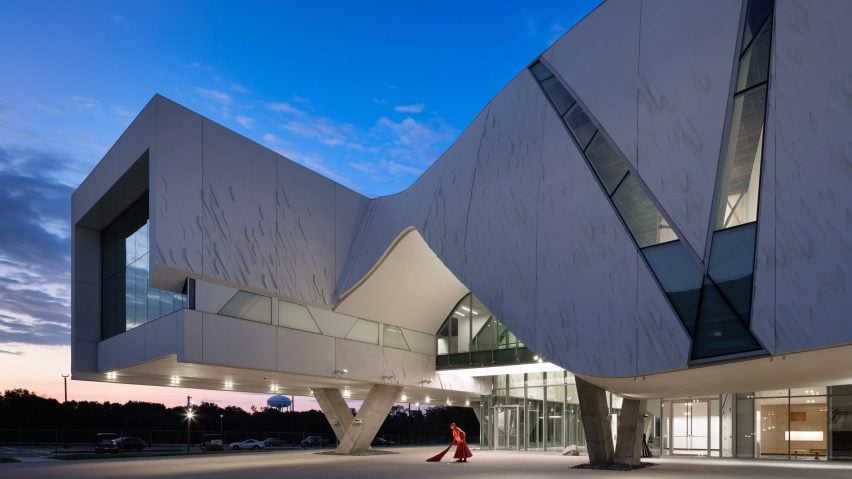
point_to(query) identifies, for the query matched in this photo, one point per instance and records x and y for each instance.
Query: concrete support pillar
(631, 425)
(335, 409)
(354, 435)
(594, 412)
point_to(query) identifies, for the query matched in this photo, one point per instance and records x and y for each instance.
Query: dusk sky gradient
(366, 93)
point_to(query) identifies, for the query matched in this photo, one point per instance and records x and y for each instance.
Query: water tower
(279, 402)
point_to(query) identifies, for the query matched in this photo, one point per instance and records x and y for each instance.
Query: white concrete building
(659, 205)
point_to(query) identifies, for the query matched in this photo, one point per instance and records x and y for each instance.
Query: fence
(59, 439)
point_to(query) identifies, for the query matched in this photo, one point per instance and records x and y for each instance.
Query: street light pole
(221, 420)
(65, 383)
(188, 421)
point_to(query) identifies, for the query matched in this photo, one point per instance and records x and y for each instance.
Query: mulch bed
(368, 452)
(614, 466)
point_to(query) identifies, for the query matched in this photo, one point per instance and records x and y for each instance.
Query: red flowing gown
(460, 440)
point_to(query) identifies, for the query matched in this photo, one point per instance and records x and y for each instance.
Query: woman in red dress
(460, 440)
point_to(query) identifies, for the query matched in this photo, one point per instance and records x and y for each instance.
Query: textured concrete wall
(230, 211)
(513, 211)
(687, 53)
(805, 223)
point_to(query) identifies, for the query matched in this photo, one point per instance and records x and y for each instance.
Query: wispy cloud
(414, 108)
(218, 96)
(198, 66)
(83, 104)
(13, 353)
(556, 31)
(240, 89)
(313, 161)
(324, 130)
(271, 138)
(302, 101)
(379, 101)
(532, 28)
(118, 19)
(385, 167)
(284, 107)
(34, 249)
(413, 141)
(122, 112)
(244, 121)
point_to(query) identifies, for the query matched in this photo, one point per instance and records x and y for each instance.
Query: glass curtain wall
(840, 422)
(802, 423)
(791, 423)
(692, 426)
(127, 301)
(472, 336)
(533, 411)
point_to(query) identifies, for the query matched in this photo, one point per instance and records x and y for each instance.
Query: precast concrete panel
(586, 267)
(239, 209)
(361, 360)
(175, 172)
(500, 243)
(445, 226)
(349, 207)
(599, 59)
(190, 336)
(813, 173)
(238, 343)
(305, 242)
(763, 296)
(688, 53)
(304, 353)
(118, 160)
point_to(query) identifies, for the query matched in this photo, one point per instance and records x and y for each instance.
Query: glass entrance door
(690, 427)
(506, 427)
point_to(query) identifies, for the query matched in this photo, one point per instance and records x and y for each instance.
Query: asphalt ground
(408, 463)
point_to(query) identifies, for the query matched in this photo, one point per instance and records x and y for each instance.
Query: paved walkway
(410, 462)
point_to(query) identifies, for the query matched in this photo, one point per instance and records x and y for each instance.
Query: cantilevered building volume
(647, 229)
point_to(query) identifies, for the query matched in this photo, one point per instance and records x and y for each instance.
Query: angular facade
(658, 204)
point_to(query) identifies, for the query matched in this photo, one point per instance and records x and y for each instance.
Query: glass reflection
(126, 299)
(642, 217)
(471, 335)
(741, 170)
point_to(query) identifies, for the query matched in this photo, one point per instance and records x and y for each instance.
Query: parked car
(381, 442)
(273, 442)
(212, 442)
(313, 441)
(247, 444)
(130, 443)
(105, 443)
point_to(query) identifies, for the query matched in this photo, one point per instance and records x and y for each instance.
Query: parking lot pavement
(408, 462)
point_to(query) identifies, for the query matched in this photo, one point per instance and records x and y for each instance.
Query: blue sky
(367, 93)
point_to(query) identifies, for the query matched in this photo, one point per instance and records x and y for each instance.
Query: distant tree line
(21, 409)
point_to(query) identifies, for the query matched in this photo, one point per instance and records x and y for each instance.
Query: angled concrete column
(356, 434)
(631, 425)
(596, 422)
(335, 409)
